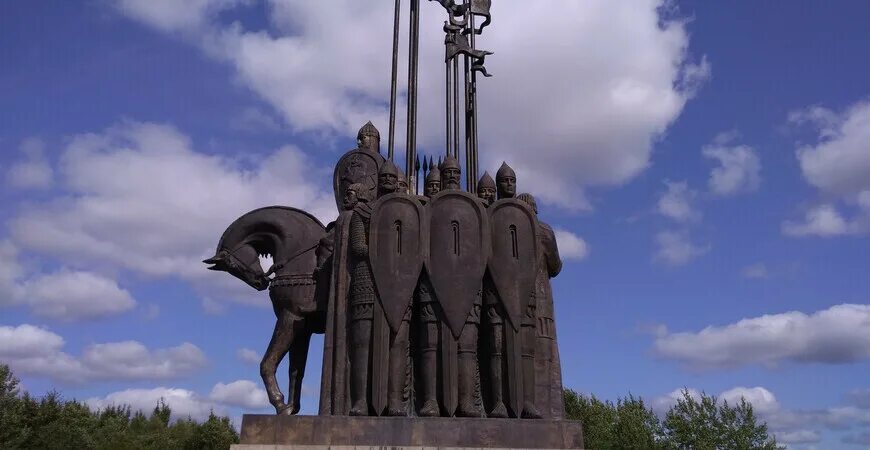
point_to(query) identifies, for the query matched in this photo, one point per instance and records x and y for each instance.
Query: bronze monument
(433, 294)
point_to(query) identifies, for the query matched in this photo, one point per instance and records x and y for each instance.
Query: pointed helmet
(505, 171)
(369, 130)
(449, 162)
(486, 181)
(434, 174)
(388, 168)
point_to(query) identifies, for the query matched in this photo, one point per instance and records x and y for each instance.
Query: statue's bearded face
(350, 199)
(402, 184)
(388, 182)
(450, 177)
(487, 194)
(432, 188)
(507, 187)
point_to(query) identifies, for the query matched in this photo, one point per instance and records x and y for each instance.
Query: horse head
(242, 262)
(283, 232)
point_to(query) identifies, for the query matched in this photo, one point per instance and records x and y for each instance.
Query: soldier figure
(486, 189)
(362, 299)
(402, 182)
(506, 179)
(369, 138)
(548, 370)
(467, 351)
(428, 322)
(433, 181)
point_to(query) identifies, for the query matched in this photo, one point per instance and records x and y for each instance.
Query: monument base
(262, 432)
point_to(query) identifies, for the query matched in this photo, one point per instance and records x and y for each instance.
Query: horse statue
(291, 236)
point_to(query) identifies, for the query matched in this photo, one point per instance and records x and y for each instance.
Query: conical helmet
(449, 163)
(368, 130)
(388, 168)
(486, 181)
(434, 174)
(505, 171)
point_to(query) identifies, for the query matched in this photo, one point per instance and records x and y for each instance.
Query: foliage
(51, 422)
(692, 423)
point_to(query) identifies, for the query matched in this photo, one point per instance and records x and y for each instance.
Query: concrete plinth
(262, 432)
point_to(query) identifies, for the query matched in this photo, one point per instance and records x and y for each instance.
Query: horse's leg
(279, 345)
(298, 358)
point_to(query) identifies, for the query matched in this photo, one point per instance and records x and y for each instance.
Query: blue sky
(706, 165)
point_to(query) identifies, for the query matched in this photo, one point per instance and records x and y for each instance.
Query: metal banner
(398, 245)
(459, 246)
(514, 255)
(356, 166)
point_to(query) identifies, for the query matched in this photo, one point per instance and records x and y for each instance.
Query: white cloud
(837, 335)
(838, 163)
(618, 78)
(241, 393)
(37, 351)
(675, 248)
(676, 202)
(570, 245)
(756, 271)
(126, 206)
(739, 169)
(183, 403)
(75, 295)
(34, 172)
(798, 437)
(822, 220)
(249, 356)
(762, 400)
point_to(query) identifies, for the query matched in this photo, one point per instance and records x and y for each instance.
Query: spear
(392, 137)
(411, 150)
(417, 174)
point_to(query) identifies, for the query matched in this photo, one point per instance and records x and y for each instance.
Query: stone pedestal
(262, 432)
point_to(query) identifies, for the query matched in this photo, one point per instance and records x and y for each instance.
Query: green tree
(627, 424)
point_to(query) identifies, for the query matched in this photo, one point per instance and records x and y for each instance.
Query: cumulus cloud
(241, 393)
(37, 351)
(675, 248)
(570, 245)
(125, 207)
(738, 170)
(34, 172)
(837, 335)
(676, 202)
(183, 402)
(620, 76)
(75, 295)
(249, 356)
(838, 164)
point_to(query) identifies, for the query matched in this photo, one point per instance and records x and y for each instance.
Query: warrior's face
(487, 194)
(507, 187)
(402, 184)
(432, 188)
(370, 143)
(350, 199)
(450, 176)
(388, 182)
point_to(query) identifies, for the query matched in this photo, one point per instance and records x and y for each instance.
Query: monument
(433, 294)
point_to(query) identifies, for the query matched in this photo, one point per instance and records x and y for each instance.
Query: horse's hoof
(430, 409)
(359, 410)
(284, 410)
(530, 412)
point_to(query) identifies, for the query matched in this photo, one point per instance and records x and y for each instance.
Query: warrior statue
(433, 181)
(548, 370)
(360, 165)
(362, 300)
(427, 316)
(486, 189)
(510, 308)
(468, 402)
(402, 182)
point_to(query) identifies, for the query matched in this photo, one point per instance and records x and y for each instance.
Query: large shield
(398, 245)
(356, 166)
(459, 245)
(514, 255)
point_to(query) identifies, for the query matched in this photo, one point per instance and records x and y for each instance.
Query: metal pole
(392, 137)
(456, 107)
(474, 142)
(411, 151)
(447, 100)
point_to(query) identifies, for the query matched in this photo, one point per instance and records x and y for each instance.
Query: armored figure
(369, 138)
(432, 184)
(360, 165)
(402, 182)
(428, 322)
(506, 179)
(468, 401)
(486, 189)
(362, 299)
(548, 370)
